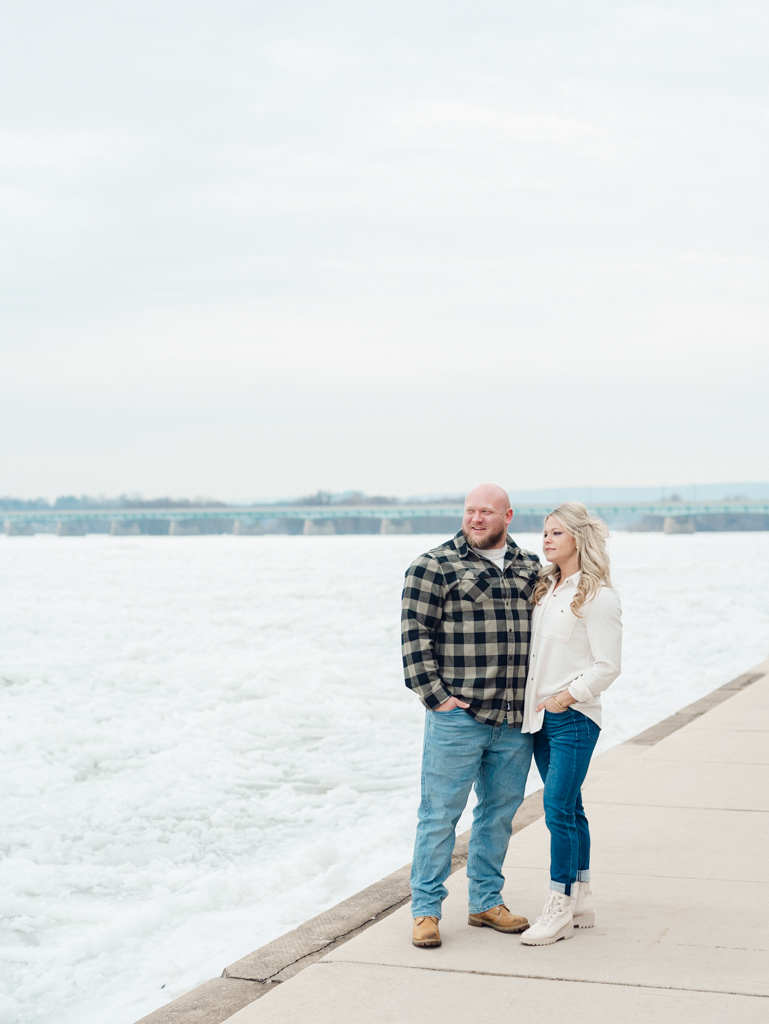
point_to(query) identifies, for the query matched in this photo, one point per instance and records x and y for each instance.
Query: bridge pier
(19, 529)
(119, 528)
(679, 524)
(390, 526)
(71, 529)
(318, 527)
(244, 529)
(180, 529)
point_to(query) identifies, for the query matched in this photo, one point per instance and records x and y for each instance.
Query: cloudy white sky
(250, 249)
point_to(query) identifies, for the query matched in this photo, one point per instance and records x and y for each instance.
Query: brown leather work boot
(425, 932)
(500, 919)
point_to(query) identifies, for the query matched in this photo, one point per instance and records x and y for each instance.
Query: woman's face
(559, 546)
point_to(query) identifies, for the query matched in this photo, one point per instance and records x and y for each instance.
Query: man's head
(486, 518)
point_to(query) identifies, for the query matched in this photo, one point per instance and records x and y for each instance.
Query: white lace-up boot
(582, 910)
(554, 923)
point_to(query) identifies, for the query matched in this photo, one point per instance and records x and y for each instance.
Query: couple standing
(509, 659)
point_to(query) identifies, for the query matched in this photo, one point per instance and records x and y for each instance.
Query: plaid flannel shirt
(465, 629)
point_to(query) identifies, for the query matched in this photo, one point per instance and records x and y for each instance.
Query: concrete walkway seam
(550, 977)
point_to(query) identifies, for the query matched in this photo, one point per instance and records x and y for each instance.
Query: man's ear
(509, 516)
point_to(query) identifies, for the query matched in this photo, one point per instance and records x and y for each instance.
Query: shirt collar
(460, 545)
(572, 580)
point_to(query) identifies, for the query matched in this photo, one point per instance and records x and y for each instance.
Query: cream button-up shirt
(578, 653)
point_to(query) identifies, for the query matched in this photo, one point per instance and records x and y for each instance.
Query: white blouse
(578, 653)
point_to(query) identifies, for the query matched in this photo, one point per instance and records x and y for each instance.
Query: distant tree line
(70, 501)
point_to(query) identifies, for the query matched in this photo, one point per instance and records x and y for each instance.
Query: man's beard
(491, 540)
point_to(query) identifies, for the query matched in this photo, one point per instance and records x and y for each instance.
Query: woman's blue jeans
(458, 751)
(562, 751)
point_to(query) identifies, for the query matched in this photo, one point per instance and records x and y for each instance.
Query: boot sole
(426, 944)
(505, 931)
(585, 921)
(567, 932)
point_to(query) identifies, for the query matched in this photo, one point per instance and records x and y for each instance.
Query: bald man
(465, 640)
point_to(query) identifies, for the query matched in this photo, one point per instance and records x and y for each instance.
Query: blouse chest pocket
(559, 624)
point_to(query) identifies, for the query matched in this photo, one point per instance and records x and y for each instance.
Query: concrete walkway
(681, 850)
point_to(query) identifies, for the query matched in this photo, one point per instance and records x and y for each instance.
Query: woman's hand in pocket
(451, 703)
(549, 704)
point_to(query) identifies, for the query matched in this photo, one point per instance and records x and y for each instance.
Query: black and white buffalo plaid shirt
(465, 629)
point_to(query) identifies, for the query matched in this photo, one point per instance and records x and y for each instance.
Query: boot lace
(553, 907)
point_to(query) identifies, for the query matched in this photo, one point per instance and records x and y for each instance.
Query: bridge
(320, 518)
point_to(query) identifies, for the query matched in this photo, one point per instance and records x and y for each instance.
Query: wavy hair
(590, 533)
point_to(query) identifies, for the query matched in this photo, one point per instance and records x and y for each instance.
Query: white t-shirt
(495, 555)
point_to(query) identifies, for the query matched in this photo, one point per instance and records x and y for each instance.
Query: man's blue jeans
(562, 750)
(458, 751)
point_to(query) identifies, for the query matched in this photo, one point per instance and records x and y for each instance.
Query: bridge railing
(266, 513)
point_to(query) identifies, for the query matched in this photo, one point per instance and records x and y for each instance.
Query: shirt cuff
(580, 691)
(435, 697)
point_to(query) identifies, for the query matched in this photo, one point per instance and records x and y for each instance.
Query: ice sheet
(207, 739)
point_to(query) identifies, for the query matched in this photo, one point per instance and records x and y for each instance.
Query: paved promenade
(681, 849)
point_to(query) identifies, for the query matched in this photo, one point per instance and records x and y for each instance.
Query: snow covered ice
(207, 740)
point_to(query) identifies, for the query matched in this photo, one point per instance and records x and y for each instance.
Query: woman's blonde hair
(590, 533)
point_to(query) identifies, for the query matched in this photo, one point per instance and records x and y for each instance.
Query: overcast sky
(252, 249)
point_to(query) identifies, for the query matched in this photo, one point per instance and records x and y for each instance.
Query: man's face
(485, 522)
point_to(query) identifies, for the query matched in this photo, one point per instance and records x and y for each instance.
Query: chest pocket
(559, 623)
(475, 588)
(524, 580)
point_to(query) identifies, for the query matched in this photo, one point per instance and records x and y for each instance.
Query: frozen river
(207, 740)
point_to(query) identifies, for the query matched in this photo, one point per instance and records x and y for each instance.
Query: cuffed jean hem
(582, 876)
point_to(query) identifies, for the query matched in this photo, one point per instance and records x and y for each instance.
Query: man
(465, 640)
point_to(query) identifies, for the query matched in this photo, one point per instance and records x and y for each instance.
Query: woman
(575, 655)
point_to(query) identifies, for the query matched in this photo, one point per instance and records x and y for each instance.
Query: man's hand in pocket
(451, 703)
